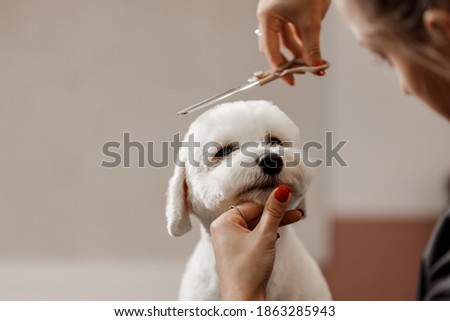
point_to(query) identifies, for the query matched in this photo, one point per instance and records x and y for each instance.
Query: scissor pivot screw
(259, 74)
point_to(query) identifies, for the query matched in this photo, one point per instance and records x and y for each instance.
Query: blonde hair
(402, 21)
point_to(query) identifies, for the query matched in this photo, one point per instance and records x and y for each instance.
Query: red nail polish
(282, 193)
(321, 72)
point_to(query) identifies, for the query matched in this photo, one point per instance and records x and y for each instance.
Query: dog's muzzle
(271, 163)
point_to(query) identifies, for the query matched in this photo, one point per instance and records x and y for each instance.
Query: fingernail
(321, 72)
(282, 193)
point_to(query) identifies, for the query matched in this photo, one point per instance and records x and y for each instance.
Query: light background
(76, 74)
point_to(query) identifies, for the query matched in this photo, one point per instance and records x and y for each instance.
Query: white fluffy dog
(243, 151)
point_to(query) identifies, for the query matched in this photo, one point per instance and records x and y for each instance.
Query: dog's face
(234, 152)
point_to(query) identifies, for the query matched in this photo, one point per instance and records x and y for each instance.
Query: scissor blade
(219, 97)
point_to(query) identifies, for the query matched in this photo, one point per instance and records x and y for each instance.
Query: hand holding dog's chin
(239, 279)
(244, 257)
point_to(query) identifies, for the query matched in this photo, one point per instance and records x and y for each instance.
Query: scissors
(260, 78)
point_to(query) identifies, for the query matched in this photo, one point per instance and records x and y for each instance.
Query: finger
(269, 41)
(288, 218)
(310, 34)
(290, 41)
(274, 210)
(275, 58)
(291, 217)
(235, 216)
(289, 78)
(248, 211)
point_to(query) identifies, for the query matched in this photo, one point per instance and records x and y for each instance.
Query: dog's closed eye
(225, 151)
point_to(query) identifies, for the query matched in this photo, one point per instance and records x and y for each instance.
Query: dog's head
(232, 153)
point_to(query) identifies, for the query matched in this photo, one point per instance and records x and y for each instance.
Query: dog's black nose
(271, 163)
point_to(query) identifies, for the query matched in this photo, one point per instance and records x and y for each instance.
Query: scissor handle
(306, 68)
(295, 66)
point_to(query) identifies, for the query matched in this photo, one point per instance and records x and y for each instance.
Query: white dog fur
(206, 191)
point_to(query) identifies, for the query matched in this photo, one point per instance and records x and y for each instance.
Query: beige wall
(75, 74)
(399, 150)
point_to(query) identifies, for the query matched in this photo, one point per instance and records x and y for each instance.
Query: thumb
(274, 210)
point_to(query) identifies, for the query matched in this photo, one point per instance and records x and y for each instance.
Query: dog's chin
(257, 194)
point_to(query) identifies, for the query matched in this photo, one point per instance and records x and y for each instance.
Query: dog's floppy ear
(177, 207)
